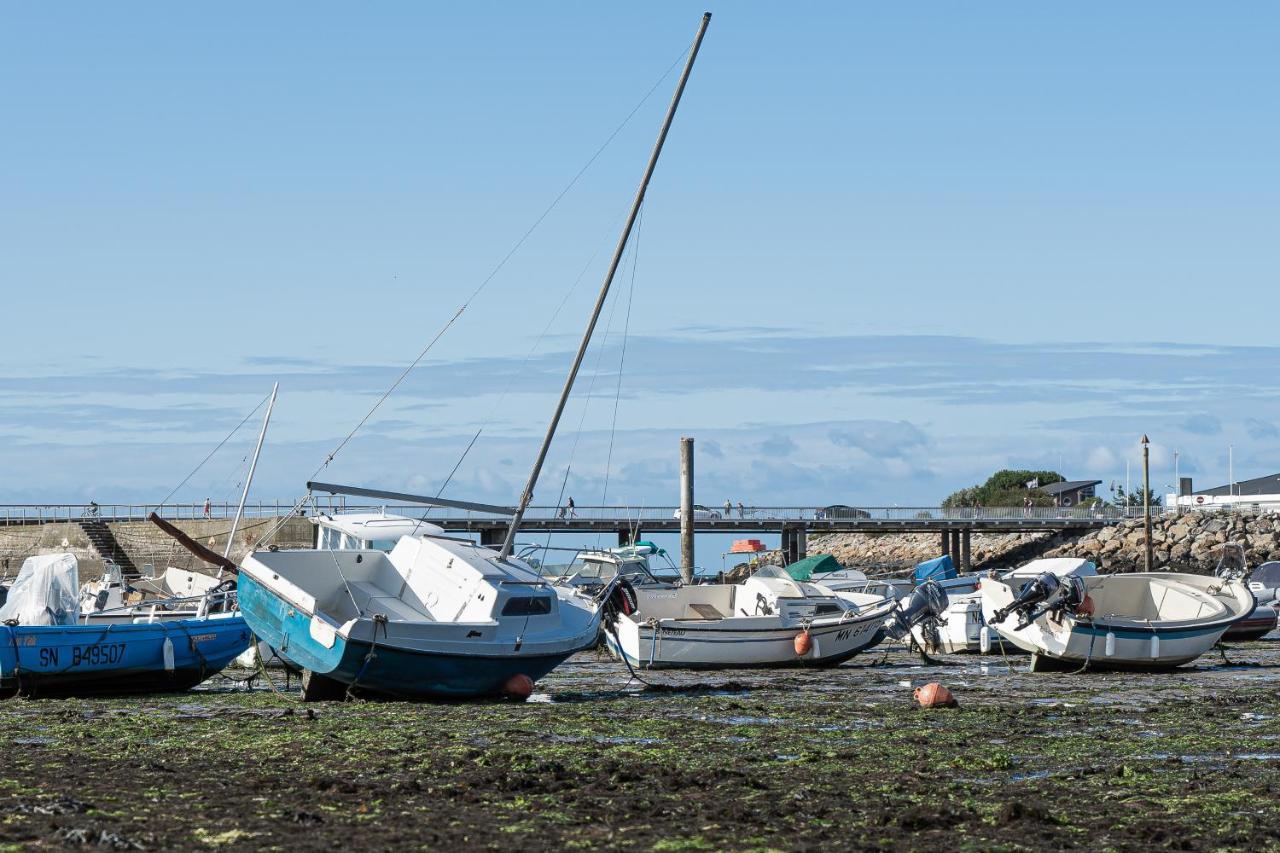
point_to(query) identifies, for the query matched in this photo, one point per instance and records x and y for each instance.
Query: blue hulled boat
(155, 657)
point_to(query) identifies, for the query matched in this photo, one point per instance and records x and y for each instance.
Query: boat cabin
(370, 531)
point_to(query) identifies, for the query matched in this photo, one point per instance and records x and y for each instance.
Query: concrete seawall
(143, 542)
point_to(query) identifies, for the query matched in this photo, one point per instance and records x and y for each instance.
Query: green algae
(779, 760)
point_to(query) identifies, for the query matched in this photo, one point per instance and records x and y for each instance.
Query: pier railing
(43, 513)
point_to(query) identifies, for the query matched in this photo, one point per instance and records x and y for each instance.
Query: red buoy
(934, 695)
(1086, 608)
(518, 686)
(804, 643)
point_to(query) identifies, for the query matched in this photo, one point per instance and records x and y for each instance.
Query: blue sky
(888, 248)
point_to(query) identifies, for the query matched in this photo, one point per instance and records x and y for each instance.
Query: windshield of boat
(1268, 574)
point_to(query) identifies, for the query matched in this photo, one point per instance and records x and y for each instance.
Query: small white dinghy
(768, 620)
(962, 628)
(1156, 620)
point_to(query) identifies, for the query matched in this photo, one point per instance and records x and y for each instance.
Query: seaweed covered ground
(732, 760)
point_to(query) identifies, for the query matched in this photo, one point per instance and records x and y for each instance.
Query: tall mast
(248, 480)
(527, 495)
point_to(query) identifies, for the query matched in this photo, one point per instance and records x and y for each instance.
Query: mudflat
(785, 759)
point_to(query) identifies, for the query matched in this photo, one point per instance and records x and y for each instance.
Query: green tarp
(818, 564)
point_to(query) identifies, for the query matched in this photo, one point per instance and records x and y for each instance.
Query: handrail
(118, 512)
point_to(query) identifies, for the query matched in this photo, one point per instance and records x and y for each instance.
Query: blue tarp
(940, 568)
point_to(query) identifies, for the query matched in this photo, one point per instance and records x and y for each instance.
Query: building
(1070, 492)
(1262, 492)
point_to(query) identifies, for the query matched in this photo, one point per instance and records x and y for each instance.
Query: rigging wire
(165, 499)
(502, 263)
(586, 402)
(302, 501)
(622, 360)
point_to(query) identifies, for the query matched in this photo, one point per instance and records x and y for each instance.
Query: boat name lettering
(674, 632)
(203, 638)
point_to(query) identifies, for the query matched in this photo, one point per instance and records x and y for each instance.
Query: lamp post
(1146, 499)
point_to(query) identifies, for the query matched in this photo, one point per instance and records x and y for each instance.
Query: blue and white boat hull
(1141, 621)
(407, 658)
(155, 657)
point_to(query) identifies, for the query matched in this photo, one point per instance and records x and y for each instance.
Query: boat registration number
(94, 655)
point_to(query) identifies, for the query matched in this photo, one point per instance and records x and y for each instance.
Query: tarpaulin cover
(937, 569)
(46, 592)
(818, 564)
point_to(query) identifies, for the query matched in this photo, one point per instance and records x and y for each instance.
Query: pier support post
(624, 536)
(801, 542)
(955, 546)
(686, 509)
(964, 549)
(945, 548)
(491, 537)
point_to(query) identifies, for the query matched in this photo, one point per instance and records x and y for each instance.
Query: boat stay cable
(229, 436)
(302, 501)
(586, 404)
(500, 265)
(622, 362)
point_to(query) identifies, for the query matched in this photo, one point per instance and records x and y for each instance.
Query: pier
(953, 526)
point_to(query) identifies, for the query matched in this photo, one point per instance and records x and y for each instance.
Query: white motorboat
(1156, 620)
(768, 620)
(176, 594)
(962, 629)
(593, 568)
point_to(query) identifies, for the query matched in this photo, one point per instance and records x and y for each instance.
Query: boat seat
(373, 600)
(704, 611)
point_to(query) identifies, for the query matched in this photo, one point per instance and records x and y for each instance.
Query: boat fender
(518, 686)
(984, 640)
(1111, 643)
(168, 655)
(1155, 646)
(934, 695)
(804, 643)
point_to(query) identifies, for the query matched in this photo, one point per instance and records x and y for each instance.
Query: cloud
(1101, 459)
(777, 445)
(879, 438)
(1260, 429)
(1203, 424)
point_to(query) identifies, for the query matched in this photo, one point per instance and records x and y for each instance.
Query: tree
(1135, 499)
(1007, 487)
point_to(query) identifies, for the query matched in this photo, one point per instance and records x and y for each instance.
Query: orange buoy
(1086, 607)
(804, 643)
(518, 686)
(934, 695)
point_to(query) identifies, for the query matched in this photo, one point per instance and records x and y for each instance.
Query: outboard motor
(926, 601)
(618, 598)
(1047, 592)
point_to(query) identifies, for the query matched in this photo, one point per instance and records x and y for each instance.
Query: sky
(889, 248)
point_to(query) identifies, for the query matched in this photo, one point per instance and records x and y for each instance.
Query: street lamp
(1146, 497)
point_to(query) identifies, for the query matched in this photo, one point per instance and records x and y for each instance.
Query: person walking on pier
(728, 508)
(208, 508)
(742, 510)
(568, 508)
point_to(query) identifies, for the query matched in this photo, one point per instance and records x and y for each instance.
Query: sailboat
(436, 616)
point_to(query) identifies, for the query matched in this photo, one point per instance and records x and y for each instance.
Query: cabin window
(381, 544)
(531, 605)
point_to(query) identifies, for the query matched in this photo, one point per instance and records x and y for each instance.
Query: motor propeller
(926, 601)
